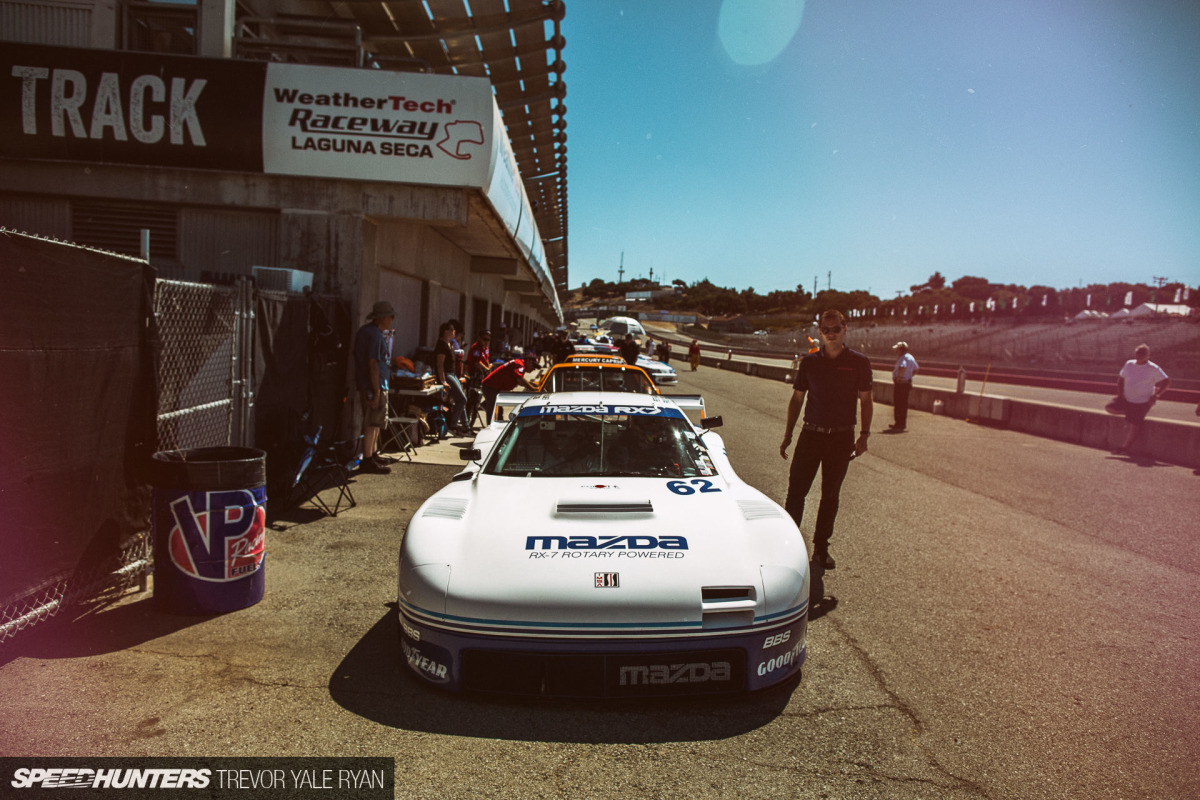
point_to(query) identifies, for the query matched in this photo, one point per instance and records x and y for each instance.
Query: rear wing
(688, 402)
(506, 404)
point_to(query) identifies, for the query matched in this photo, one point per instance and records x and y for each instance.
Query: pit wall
(1164, 440)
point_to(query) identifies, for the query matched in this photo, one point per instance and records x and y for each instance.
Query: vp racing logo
(218, 536)
(87, 778)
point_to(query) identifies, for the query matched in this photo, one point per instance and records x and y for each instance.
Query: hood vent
(600, 507)
(757, 509)
(727, 606)
(447, 508)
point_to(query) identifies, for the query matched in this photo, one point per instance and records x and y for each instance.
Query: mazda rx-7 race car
(600, 545)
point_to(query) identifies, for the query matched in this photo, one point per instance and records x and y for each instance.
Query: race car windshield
(600, 445)
(595, 378)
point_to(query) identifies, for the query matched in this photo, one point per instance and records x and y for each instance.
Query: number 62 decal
(689, 487)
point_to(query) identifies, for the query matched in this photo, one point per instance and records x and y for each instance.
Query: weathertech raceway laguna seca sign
(123, 107)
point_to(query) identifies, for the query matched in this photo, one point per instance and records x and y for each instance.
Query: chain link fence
(205, 399)
(204, 387)
(91, 584)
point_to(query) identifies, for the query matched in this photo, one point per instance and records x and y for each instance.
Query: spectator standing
(630, 349)
(835, 380)
(443, 364)
(460, 353)
(694, 355)
(502, 344)
(504, 378)
(538, 347)
(665, 352)
(902, 378)
(1140, 384)
(371, 373)
(479, 358)
(530, 354)
(562, 347)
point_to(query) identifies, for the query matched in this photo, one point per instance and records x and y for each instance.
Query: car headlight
(425, 586)
(783, 588)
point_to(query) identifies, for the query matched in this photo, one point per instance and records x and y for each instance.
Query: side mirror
(708, 423)
(470, 454)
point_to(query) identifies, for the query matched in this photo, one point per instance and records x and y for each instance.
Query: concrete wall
(1164, 440)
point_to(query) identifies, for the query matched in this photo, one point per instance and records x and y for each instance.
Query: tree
(972, 288)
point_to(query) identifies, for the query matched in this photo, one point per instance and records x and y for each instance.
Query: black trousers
(900, 409)
(831, 453)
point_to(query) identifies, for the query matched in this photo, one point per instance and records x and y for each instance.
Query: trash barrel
(209, 522)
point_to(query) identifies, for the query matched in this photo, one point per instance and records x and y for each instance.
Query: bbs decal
(694, 486)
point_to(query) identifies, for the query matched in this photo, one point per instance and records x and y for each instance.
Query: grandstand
(1098, 346)
(1088, 346)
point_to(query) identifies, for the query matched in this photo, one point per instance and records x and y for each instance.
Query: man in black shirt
(630, 349)
(835, 379)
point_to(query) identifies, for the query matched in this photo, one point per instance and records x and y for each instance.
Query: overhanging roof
(516, 44)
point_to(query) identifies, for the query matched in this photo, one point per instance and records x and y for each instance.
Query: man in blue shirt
(834, 379)
(372, 368)
(902, 377)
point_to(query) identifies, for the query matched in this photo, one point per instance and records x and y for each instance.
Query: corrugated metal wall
(45, 216)
(213, 242)
(64, 24)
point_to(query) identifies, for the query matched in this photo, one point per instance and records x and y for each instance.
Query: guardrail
(1165, 440)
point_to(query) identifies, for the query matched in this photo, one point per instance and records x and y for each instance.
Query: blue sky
(765, 143)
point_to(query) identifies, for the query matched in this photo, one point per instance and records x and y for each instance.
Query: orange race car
(580, 373)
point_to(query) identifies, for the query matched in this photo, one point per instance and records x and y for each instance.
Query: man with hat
(902, 376)
(372, 346)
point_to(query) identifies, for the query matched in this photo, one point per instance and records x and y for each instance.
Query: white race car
(663, 374)
(600, 545)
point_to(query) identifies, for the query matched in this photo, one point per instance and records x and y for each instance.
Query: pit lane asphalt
(1014, 618)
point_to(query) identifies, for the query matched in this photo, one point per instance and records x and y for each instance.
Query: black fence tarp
(301, 352)
(77, 409)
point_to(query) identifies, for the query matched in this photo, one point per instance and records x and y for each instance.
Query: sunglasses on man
(831, 331)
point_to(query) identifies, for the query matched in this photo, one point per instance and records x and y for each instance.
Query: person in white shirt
(1140, 384)
(902, 376)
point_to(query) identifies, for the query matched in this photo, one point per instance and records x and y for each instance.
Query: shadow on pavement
(81, 631)
(373, 682)
(818, 604)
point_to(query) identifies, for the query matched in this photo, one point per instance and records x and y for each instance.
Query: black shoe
(823, 560)
(373, 467)
(383, 460)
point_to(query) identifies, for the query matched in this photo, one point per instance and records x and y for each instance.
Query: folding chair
(323, 467)
(397, 432)
(476, 412)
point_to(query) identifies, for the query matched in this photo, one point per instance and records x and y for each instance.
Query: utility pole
(1158, 284)
(829, 279)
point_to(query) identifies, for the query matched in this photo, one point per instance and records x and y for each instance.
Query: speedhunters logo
(245, 778)
(86, 778)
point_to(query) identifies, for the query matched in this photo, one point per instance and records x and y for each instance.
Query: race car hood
(612, 553)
